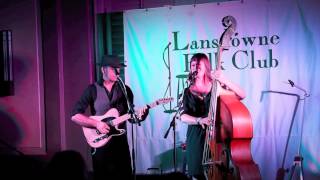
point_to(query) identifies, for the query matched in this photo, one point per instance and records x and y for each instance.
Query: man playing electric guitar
(111, 160)
(97, 139)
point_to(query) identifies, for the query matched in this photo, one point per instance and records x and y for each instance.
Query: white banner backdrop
(276, 41)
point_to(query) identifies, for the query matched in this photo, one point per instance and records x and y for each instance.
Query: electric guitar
(96, 139)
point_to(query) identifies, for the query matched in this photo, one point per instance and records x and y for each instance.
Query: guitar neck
(152, 105)
(121, 119)
(127, 116)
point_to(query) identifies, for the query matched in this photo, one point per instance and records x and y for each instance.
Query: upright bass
(227, 149)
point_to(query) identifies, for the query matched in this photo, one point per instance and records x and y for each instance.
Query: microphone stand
(135, 120)
(173, 125)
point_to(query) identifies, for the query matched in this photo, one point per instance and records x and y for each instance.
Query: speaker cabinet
(6, 71)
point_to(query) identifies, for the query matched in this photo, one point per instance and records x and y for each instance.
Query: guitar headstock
(160, 101)
(164, 100)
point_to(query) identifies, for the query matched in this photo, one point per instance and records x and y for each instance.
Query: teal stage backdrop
(276, 41)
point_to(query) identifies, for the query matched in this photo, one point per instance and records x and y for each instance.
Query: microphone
(117, 72)
(291, 82)
(192, 77)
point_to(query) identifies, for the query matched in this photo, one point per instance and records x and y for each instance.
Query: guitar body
(96, 139)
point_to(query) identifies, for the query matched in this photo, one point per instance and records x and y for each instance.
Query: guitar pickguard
(114, 131)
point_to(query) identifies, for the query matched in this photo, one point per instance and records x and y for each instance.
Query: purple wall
(76, 61)
(22, 115)
(53, 63)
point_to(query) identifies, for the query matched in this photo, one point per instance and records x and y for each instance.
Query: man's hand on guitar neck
(102, 127)
(142, 113)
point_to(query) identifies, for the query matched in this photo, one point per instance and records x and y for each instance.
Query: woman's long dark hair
(200, 57)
